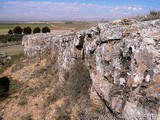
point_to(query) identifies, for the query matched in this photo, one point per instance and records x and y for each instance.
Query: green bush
(36, 30)
(27, 30)
(17, 30)
(45, 30)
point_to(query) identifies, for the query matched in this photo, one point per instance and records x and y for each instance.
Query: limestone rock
(123, 58)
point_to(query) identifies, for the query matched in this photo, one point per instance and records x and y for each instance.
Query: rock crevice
(123, 61)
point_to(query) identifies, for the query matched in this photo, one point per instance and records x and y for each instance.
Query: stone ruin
(123, 60)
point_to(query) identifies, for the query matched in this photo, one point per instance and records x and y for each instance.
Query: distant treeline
(28, 30)
(16, 35)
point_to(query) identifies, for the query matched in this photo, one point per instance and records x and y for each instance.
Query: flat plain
(4, 27)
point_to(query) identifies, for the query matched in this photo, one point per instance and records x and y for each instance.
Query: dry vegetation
(12, 50)
(36, 93)
(153, 15)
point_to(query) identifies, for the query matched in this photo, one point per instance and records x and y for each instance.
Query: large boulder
(123, 61)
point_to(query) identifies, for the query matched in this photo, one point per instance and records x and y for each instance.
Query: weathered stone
(123, 58)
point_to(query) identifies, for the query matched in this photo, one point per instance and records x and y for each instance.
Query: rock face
(123, 61)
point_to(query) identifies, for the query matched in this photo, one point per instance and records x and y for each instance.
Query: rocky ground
(37, 94)
(107, 72)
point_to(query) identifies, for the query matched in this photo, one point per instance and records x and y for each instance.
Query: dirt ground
(12, 50)
(36, 94)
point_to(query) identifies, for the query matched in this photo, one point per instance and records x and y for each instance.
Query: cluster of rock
(4, 58)
(123, 59)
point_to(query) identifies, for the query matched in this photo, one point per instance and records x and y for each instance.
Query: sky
(81, 10)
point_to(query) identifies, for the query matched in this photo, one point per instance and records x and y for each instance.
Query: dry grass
(77, 84)
(76, 94)
(3, 31)
(16, 58)
(42, 96)
(12, 50)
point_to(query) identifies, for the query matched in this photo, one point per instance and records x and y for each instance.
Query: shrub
(4, 86)
(45, 30)
(36, 30)
(17, 30)
(10, 32)
(11, 38)
(27, 30)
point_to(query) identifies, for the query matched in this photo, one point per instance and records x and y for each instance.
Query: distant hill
(153, 15)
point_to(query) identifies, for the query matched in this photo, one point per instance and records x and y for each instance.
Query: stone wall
(123, 61)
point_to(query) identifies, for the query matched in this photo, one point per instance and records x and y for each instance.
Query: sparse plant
(77, 84)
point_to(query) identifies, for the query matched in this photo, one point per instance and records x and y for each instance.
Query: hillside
(111, 71)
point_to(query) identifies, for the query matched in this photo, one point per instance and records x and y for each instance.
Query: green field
(71, 25)
(4, 27)
(32, 25)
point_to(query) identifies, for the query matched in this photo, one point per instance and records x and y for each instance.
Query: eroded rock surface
(123, 61)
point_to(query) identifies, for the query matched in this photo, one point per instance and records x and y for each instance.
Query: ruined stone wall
(123, 61)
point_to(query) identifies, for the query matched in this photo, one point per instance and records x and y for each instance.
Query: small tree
(27, 30)
(45, 30)
(36, 30)
(10, 32)
(17, 30)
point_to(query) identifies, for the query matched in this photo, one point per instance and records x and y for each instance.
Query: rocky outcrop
(123, 61)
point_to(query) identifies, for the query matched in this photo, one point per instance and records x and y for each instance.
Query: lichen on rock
(123, 59)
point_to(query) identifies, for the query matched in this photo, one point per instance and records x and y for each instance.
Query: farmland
(56, 27)
(12, 25)
(4, 27)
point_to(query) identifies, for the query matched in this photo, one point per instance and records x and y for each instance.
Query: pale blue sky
(31, 10)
